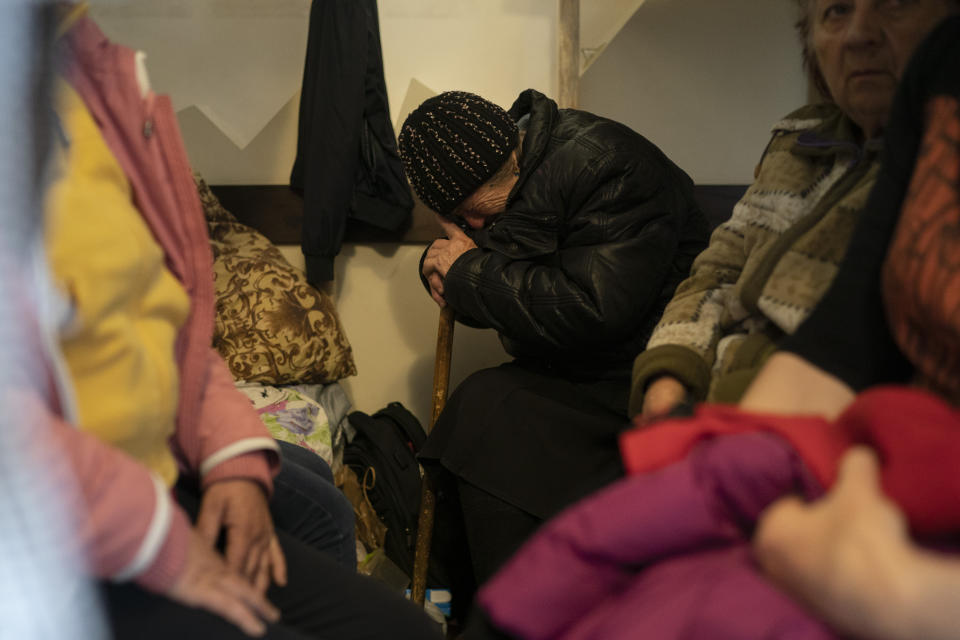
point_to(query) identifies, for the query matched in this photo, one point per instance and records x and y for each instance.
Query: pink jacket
(131, 527)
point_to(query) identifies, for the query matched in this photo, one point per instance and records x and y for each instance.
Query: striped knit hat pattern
(453, 143)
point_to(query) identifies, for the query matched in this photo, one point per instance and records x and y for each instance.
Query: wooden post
(568, 41)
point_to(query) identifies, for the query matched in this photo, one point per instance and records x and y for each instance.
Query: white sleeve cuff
(238, 448)
(156, 534)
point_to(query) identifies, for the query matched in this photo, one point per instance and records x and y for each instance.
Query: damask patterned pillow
(271, 325)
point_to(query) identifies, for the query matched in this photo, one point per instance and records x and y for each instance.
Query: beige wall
(701, 78)
(495, 48)
(392, 325)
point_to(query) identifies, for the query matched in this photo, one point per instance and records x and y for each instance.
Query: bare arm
(789, 384)
(849, 558)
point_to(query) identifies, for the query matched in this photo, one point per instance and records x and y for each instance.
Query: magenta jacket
(662, 555)
(130, 526)
(665, 553)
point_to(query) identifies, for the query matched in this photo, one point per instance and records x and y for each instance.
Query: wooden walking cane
(441, 380)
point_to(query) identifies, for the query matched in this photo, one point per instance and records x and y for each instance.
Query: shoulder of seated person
(801, 119)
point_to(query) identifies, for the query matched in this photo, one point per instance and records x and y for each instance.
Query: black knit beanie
(453, 143)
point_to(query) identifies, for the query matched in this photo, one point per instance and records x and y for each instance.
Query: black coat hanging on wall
(347, 165)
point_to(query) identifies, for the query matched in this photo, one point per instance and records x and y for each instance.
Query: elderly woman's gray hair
(809, 59)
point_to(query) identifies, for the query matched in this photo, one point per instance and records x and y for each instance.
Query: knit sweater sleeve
(128, 527)
(684, 342)
(226, 439)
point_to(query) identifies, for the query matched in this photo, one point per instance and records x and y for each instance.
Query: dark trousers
(513, 447)
(307, 505)
(475, 532)
(322, 599)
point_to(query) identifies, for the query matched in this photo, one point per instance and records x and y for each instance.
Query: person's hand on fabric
(441, 255)
(208, 583)
(845, 555)
(661, 396)
(239, 508)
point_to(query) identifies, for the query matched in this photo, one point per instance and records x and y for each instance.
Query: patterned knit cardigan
(767, 267)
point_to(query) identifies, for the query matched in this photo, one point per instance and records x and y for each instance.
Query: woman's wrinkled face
(483, 206)
(862, 48)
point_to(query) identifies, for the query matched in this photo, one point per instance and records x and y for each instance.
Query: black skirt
(536, 441)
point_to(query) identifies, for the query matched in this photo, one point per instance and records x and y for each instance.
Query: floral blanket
(295, 414)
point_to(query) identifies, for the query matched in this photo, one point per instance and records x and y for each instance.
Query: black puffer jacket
(599, 230)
